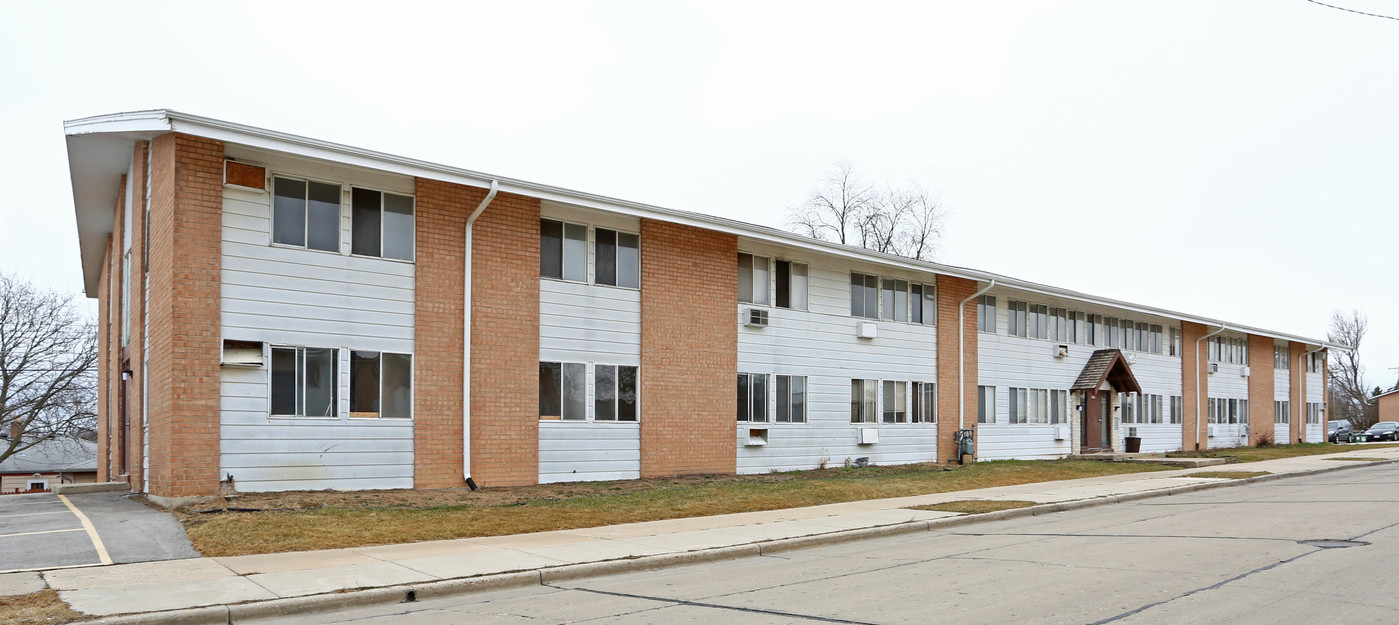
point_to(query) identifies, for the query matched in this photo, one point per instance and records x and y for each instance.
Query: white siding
(282, 295)
(571, 451)
(1282, 391)
(1228, 383)
(1159, 437)
(1316, 432)
(820, 344)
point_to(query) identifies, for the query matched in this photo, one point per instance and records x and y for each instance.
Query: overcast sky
(1234, 159)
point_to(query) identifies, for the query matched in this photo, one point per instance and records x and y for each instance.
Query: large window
(306, 213)
(563, 391)
(791, 285)
(923, 300)
(1282, 412)
(1315, 362)
(1177, 410)
(1143, 408)
(1313, 413)
(752, 397)
(753, 281)
(864, 296)
(791, 399)
(1129, 407)
(304, 382)
(895, 402)
(614, 393)
(563, 250)
(864, 401)
(986, 314)
(617, 258)
(1017, 314)
(925, 402)
(985, 404)
(1280, 357)
(381, 224)
(381, 384)
(893, 294)
(1228, 350)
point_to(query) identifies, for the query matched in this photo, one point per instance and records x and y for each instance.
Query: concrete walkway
(235, 589)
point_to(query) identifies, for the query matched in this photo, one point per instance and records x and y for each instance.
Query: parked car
(1384, 430)
(1339, 431)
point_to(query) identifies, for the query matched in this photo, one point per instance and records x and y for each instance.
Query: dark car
(1338, 431)
(1384, 430)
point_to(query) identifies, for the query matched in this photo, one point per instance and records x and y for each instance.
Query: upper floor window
(923, 300)
(306, 213)
(986, 313)
(791, 285)
(1280, 357)
(1316, 361)
(563, 251)
(1228, 350)
(1175, 341)
(381, 224)
(618, 258)
(753, 279)
(894, 295)
(864, 295)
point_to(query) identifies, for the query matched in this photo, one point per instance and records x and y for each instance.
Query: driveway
(47, 531)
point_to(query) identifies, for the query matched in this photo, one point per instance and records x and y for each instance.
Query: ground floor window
(614, 393)
(563, 392)
(304, 382)
(1282, 412)
(1313, 413)
(864, 401)
(1177, 410)
(925, 402)
(895, 402)
(791, 399)
(985, 404)
(752, 397)
(381, 385)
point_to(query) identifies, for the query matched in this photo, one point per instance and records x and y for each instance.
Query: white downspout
(466, 340)
(962, 355)
(1302, 410)
(1198, 414)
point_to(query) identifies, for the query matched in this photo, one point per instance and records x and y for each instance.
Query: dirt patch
(39, 608)
(1232, 475)
(975, 506)
(1257, 454)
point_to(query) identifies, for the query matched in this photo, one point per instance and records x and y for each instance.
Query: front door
(1097, 423)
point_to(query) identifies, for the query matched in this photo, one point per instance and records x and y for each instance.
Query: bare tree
(48, 358)
(1349, 398)
(847, 209)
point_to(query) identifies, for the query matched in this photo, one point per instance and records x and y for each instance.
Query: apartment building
(282, 313)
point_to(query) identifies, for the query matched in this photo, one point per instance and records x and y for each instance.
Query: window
(1017, 405)
(306, 214)
(1315, 362)
(985, 404)
(563, 391)
(1156, 404)
(1017, 314)
(1058, 401)
(864, 398)
(791, 285)
(1059, 329)
(791, 399)
(614, 393)
(1155, 346)
(1097, 330)
(1282, 412)
(895, 402)
(381, 384)
(894, 296)
(1175, 342)
(1110, 331)
(923, 299)
(1177, 409)
(563, 251)
(1233, 411)
(381, 224)
(1228, 350)
(864, 296)
(753, 281)
(1313, 413)
(616, 258)
(1214, 410)
(1129, 407)
(304, 382)
(752, 397)
(1038, 323)
(1078, 333)
(1281, 359)
(986, 314)
(925, 402)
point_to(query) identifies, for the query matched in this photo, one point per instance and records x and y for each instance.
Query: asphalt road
(1231, 555)
(40, 531)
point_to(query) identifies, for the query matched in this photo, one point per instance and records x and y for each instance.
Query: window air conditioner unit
(1214, 367)
(1131, 358)
(866, 329)
(1211, 431)
(755, 318)
(242, 354)
(1243, 431)
(869, 436)
(1061, 432)
(757, 438)
(1243, 372)
(1061, 351)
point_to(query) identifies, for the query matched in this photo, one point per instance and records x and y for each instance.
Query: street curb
(96, 487)
(292, 606)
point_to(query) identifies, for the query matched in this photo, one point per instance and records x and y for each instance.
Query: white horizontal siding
(589, 323)
(1282, 385)
(1315, 392)
(588, 451)
(1227, 435)
(820, 343)
(1316, 433)
(1282, 433)
(1158, 437)
(1022, 441)
(1228, 382)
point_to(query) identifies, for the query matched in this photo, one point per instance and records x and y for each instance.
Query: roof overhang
(1107, 365)
(93, 181)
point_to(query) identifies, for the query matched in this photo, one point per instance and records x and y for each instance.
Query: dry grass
(1233, 475)
(329, 520)
(975, 506)
(1256, 454)
(1358, 459)
(39, 608)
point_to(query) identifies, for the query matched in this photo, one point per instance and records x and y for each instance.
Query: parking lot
(47, 531)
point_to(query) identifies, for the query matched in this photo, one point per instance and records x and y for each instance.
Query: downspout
(466, 339)
(1302, 410)
(1222, 328)
(962, 355)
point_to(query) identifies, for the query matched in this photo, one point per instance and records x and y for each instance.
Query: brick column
(1298, 392)
(136, 349)
(689, 350)
(1193, 363)
(104, 365)
(1260, 388)
(504, 339)
(185, 228)
(951, 291)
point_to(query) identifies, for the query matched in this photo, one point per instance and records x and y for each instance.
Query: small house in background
(1389, 405)
(49, 462)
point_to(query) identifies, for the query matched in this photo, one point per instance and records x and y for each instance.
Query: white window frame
(895, 411)
(755, 401)
(761, 289)
(563, 252)
(866, 403)
(927, 303)
(586, 383)
(413, 201)
(592, 258)
(306, 214)
(986, 314)
(787, 400)
(923, 411)
(792, 289)
(985, 404)
(412, 383)
(336, 352)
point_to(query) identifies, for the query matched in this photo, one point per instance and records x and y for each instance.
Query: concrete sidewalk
(234, 589)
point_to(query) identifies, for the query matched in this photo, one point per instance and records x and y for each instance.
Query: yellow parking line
(76, 529)
(50, 568)
(91, 533)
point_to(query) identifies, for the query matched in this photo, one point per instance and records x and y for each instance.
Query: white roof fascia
(159, 121)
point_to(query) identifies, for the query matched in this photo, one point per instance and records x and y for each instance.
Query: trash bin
(1134, 444)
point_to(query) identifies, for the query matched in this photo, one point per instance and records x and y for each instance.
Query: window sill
(290, 417)
(585, 283)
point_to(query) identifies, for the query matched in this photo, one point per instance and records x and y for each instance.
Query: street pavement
(42, 531)
(1231, 555)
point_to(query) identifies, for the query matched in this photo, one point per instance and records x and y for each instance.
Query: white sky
(1229, 159)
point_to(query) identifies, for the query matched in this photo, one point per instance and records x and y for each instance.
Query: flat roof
(99, 153)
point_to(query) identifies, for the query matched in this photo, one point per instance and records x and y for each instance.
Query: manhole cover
(1333, 544)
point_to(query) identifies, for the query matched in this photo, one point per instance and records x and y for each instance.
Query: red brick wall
(951, 291)
(689, 350)
(505, 337)
(104, 366)
(183, 406)
(1298, 393)
(1260, 389)
(1389, 407)
(136, 347)
(1193, 363)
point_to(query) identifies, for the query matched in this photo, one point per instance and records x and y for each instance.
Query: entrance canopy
(1107, 365)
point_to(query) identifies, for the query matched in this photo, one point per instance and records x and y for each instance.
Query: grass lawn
(327, 520)
(1256, 454)
(975, 506)
(40, 608)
